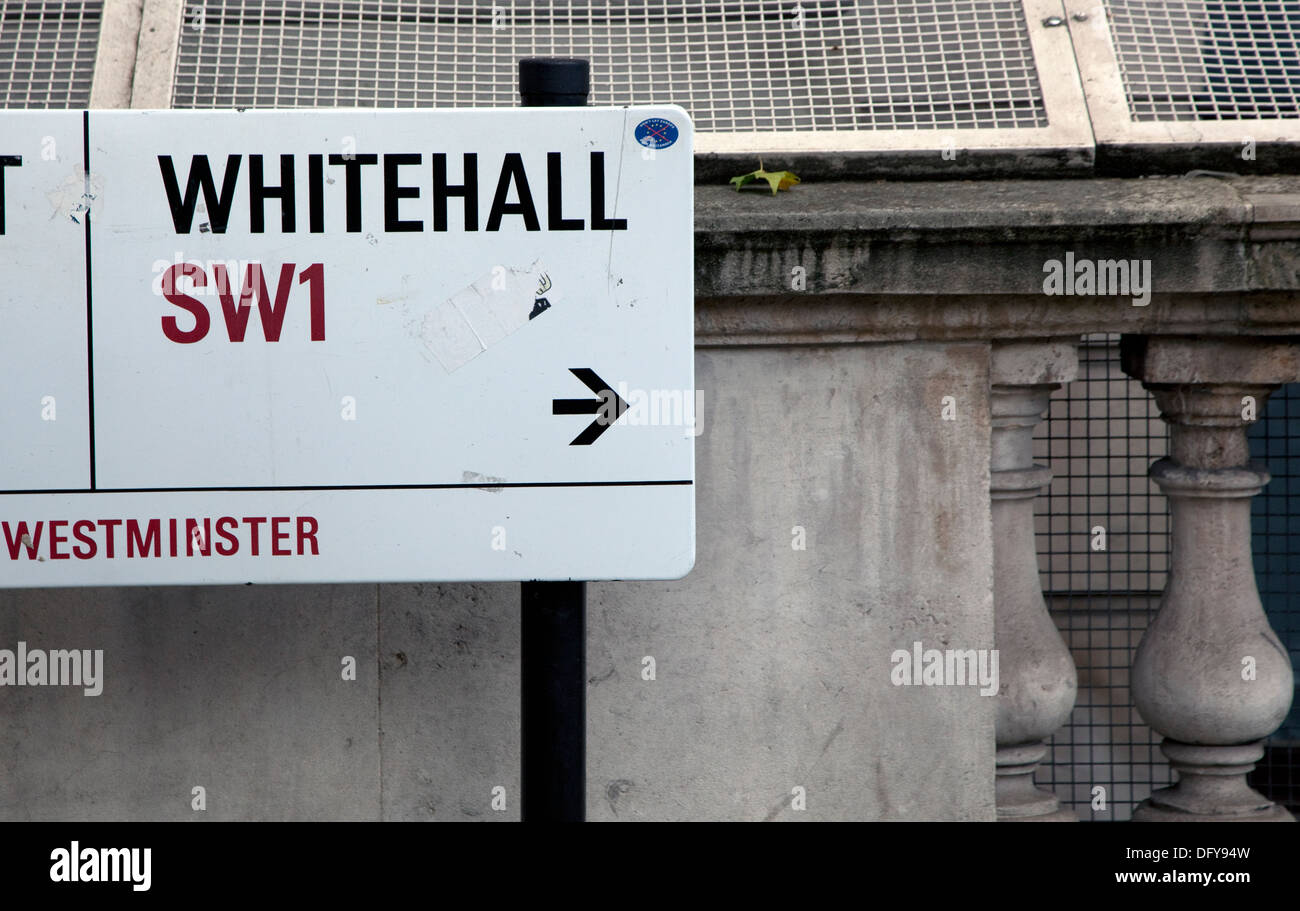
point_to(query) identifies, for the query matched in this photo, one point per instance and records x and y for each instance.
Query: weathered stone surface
(1190, 361)
(1033, 361)
(449, 709)
(236, 689)
(982, 205)
(946, 260)
(773, 664)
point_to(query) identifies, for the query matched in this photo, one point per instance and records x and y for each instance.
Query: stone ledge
(812, 319)
(983, 205)
(891, 261)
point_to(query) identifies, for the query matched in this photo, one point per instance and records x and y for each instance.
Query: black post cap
(554, 81)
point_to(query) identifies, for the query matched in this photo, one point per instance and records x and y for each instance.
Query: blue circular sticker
(656, 133)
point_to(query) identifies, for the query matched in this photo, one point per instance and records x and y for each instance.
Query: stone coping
(893, 260)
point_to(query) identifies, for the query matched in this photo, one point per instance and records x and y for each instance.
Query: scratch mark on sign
(469, 477)
(618, 182)
(394, 296)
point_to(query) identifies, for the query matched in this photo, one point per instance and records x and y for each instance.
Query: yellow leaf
(777, 180)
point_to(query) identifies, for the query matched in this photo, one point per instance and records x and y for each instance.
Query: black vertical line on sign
(90, 346)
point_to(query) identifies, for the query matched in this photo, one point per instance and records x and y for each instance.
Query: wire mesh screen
(1200, 60)
(739, 66)
(1275, 520)
(1103, 553)
(47, 53)
(1103, 542)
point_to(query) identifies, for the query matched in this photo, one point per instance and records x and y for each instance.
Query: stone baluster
(1209, 674)
(1038, 680)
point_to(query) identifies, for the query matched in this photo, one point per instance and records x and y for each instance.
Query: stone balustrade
(1210, 675)
(1219, 330)
(1038, 676)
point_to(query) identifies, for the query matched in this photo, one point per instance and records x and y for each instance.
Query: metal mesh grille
(1200, 60)
(766, 65)
(1275, 531)
(47, 53)
(1275, 539)
(1101, 435)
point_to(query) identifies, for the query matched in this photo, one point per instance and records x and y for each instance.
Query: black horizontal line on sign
(353, 487)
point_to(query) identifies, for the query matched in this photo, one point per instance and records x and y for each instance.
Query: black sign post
(553, 698)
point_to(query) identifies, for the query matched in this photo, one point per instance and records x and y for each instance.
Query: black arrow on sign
(591, 406)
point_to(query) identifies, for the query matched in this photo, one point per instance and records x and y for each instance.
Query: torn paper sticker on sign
(74, 195)
(477, 317)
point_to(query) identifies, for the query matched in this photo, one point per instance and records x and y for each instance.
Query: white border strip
(119, 32)
(155, 60)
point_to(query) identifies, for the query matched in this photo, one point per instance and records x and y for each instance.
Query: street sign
(333, 346)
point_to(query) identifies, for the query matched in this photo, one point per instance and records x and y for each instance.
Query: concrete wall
(772, 664)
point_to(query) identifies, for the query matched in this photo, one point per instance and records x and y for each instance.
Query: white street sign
(330, 346)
